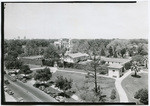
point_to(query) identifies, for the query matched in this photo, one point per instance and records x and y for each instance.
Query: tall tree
(94, 65)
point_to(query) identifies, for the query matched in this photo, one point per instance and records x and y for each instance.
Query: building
(75, 57)
(36, 60)
(116, 66)
(115, 70)
(64, 43)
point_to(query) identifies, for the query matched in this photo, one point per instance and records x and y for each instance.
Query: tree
(51, 52)
(117, 47)
(135, 68)
(113, 94)
(142, 95)
(62, 52)
(102, 52)
(110, 51)
(43, 75)
(63, 83)
(13, 64)
(123, 51)
(25, 70)
(138, 58)
(94, 65)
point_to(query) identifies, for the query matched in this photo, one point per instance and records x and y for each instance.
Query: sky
(76, 20)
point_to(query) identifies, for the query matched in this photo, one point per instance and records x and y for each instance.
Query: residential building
(75, 57)
(37, 60)
(116, 66)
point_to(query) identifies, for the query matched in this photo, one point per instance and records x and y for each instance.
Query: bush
(113, 94)
(142, 95)
(128, 66)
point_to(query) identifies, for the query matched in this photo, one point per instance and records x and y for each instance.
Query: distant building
(37, 60)
(75, 57)
(63, 43)
(116, 66)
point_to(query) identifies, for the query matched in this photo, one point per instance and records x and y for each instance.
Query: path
(84, 73)
(121, 92)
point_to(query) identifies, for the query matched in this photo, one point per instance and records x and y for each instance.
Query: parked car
(6, 82)
(42, 88)
(20, 99)
(60, 98)
(46, 90)
(24, 80)
(6, 89)
(10, 92)
(89, 74)
(13, 79)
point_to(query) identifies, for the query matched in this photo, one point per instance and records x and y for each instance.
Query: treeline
(117, 48)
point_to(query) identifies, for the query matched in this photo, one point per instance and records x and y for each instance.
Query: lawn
(132, 84)
(79, 80)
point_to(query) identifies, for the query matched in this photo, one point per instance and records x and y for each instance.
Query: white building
(116, 66)
(75, 57)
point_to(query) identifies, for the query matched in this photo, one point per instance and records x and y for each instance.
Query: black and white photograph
(75, 52)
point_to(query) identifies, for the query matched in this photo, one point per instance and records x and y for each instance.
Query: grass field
(79, 80)
(132, 84)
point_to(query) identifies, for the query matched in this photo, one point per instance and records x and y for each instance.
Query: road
(21, 92)
(32, 91)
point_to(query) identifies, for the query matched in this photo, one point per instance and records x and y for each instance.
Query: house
(115, 70)
(116, 66)
(75, 57)
(37, 60)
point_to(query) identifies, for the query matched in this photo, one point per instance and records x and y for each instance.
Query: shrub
(142, 95)
(128, 66)
(113, 94)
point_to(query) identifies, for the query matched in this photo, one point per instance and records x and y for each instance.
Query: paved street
(33, 91)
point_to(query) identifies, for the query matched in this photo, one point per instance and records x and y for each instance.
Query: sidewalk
(9, 98)
(121, 92)
(84, 73)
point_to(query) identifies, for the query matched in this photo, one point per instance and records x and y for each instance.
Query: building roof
(75, 55)
(33, 57)
(119, 60)
(118, 66)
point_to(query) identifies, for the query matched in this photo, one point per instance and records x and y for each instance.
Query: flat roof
(119, 60)
(118, 66)
(75, 55)
(33, 57)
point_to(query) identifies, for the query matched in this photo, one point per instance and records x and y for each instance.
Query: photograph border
(2, 58)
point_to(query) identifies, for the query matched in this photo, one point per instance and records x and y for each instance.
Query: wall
(31, 61)
(111, 73)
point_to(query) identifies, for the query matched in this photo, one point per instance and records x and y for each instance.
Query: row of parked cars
(9, 91)
(52, 92)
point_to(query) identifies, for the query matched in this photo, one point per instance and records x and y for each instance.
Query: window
(113, 70)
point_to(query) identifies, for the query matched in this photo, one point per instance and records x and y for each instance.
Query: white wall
(116, 73)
